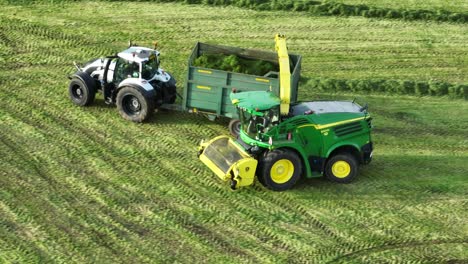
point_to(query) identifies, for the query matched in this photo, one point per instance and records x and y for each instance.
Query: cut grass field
(84, 185)
(452, 5)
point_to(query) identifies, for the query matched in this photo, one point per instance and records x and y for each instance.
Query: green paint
(313, 129)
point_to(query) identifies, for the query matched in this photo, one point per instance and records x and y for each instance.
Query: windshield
(150, 67)
(125, 69)
(253, 124)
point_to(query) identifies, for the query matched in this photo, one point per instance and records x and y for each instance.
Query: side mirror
(364, 108)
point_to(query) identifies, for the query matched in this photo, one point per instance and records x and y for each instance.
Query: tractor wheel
(341, 168)
(133, 105)
(235, 127)
(82, 92)
(280, 169)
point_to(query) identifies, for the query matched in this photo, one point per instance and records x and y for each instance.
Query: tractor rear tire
(82, 90)
(133, 105)
(280, 169)
(235, 127)
(342, 168)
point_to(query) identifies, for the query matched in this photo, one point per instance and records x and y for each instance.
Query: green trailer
(207, 90)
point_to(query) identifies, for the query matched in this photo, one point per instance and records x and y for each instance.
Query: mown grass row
(332, 8)
(324, 8)
(452, 5)
(391, 87)
(344, 48)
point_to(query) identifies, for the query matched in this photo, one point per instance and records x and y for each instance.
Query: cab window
(125, 69)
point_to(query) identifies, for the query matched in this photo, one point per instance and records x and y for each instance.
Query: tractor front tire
(235, 127)
(280, 169)
(133, 105)
(342, 168)
(82, 91)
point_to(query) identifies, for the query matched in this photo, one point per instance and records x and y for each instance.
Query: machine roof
(137, 54)
(255, 100)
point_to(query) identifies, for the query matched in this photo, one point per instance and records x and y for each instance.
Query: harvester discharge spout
(228, 161)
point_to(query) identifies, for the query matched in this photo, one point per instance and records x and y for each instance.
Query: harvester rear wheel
(280, 169)
(341, 168)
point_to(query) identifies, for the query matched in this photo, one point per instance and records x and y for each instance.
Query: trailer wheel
(133, 105)
(280, 169)
(235, 127)
(341, 168)
(82, 92)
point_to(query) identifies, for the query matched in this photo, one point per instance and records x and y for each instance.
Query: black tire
(133, 105)
(235, 127)
(280, 169)
(342, 168)
(82, 91)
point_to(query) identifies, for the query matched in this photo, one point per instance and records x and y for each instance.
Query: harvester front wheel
(133, 105)
(235, 127)
(280, 169)
(341, 168)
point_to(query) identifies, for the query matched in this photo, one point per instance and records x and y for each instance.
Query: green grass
(332, 47)
(449, 5)
(83, 185)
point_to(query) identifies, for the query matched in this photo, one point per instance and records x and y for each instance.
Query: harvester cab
(281, 141)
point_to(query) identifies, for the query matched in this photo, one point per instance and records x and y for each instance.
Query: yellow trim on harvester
(319, 127)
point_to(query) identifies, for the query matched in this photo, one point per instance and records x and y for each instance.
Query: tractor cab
(134, 62)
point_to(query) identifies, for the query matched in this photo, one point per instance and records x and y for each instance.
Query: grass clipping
(234, 63)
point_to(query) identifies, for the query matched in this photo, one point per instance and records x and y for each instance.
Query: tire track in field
(315, 223)
(21, 32)
(5, 40)
(312, 221)
(24, 160)
(94, 233)
(414, 122)
(188, 187)
(181, 154)
(395, 245)
(369, 220)
(43, 32)
(266, 230)
(98, 235)
(212, 238)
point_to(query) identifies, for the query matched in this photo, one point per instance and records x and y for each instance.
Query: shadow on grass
(165, 116)
(400, 175)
